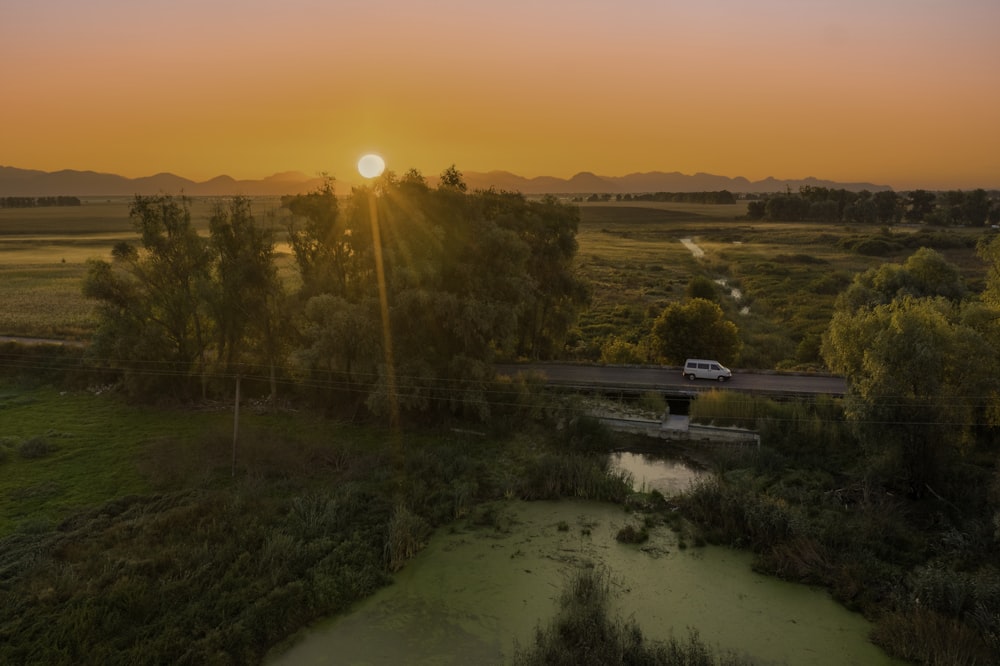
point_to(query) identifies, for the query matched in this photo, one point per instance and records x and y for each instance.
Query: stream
(476, 592)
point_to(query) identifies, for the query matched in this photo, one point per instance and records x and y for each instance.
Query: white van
(698, 368)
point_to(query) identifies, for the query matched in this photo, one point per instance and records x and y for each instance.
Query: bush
(653, 401)
(617, 351)
(405, 537)
(875, 247)
(36, 447)
(701, 287)
(631, 534)
(923, 636)
(550, 476)
(586, 434)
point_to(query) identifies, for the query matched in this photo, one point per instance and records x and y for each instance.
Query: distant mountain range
(32, 183)
(651, 181)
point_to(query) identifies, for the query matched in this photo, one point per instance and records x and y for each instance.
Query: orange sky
(897, 92)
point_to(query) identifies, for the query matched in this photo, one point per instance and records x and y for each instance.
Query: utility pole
(236, 423)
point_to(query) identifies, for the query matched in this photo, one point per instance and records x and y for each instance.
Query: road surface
(650, 378)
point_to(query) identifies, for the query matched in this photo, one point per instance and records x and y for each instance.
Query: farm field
(787, 274)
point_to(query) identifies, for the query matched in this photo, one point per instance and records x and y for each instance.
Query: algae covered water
(477, 591)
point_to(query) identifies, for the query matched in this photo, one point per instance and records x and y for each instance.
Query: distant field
(43, 255)
(630, 252)
(92, 217)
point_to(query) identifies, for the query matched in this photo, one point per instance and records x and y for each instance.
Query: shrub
(36, 447)
(653, 401)
(923, 636)
(586, 434)
(701, 287)
(404, 538)
(875, 247)
(617, 351)
(550, 476)
(631, 534)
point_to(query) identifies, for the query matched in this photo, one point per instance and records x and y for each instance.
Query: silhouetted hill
(32, 183)
(653, 181)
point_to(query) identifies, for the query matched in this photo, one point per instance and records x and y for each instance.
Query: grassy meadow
(788, 274)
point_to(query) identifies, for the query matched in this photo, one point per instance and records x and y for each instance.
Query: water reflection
(650, 472)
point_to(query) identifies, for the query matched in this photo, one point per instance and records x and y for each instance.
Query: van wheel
(721, 378)
(690, 378)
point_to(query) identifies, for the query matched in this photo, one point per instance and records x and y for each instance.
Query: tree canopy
(696, 328)
(920, 363)
(465, 278)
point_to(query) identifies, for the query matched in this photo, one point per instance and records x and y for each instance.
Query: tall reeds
(584, 632)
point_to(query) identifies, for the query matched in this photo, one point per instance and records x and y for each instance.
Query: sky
(903, 93)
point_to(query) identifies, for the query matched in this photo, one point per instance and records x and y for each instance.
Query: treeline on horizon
(974, 208)
(38, 202)
(719, 197)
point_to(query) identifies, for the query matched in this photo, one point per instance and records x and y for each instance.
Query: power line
(448, 389)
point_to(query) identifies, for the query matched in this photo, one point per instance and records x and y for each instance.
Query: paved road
(666, 378)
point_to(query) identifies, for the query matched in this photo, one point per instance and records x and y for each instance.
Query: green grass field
(65, 450)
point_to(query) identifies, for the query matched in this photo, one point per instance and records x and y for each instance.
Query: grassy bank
(128, 539)
(812, 509)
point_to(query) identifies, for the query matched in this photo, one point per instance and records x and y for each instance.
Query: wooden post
(236, 423)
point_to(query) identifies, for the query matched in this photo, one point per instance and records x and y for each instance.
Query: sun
(371, 166)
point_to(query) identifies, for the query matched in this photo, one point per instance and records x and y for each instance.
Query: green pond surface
(477, 592)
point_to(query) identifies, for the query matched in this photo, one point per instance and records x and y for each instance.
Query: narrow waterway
(476, 592)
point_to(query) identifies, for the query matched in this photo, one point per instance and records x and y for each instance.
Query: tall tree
(452, 177)
(324, 243)
(920, 204)
(920, 362)
(888, 208)
(152, 320)
(696, 328)
(926, 273)
(916, 371)
(245, 285)
(467, 277)
(555, 294)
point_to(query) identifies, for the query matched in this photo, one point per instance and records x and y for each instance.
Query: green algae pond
(483, 585)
